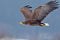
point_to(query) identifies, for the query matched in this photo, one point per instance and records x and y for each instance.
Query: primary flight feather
(36, 17)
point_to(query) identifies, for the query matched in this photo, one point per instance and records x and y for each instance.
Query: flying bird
(36, 17)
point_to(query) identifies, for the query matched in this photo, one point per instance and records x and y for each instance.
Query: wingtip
(28, 6)
(54, 4)
(53, 0)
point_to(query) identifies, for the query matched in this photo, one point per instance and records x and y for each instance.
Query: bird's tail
(46, 24)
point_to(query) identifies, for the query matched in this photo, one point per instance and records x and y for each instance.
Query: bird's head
(21, 22)
(44, 24)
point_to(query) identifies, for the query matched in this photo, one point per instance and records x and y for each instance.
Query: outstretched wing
(42, 11)
(27, 12)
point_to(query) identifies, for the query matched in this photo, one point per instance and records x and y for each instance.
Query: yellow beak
(20, 22)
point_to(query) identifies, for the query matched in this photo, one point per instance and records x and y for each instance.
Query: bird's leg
(42, 24)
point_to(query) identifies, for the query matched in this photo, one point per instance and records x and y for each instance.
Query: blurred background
(10, 15)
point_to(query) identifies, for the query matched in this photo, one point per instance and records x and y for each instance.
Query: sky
(10, 15)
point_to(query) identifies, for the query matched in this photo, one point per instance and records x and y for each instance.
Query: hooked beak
(20, 22)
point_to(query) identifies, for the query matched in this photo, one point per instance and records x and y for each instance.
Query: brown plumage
(36, 17)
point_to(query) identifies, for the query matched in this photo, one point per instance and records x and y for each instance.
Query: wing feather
(42, 11)
(26, 12)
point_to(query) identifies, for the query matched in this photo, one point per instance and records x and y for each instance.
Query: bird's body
(36, 17)
(31, 22)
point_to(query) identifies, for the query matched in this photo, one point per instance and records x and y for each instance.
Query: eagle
(35, 18)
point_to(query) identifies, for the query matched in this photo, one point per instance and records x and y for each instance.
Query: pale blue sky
(10, 16)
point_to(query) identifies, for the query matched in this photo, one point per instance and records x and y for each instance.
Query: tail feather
(46, 24)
